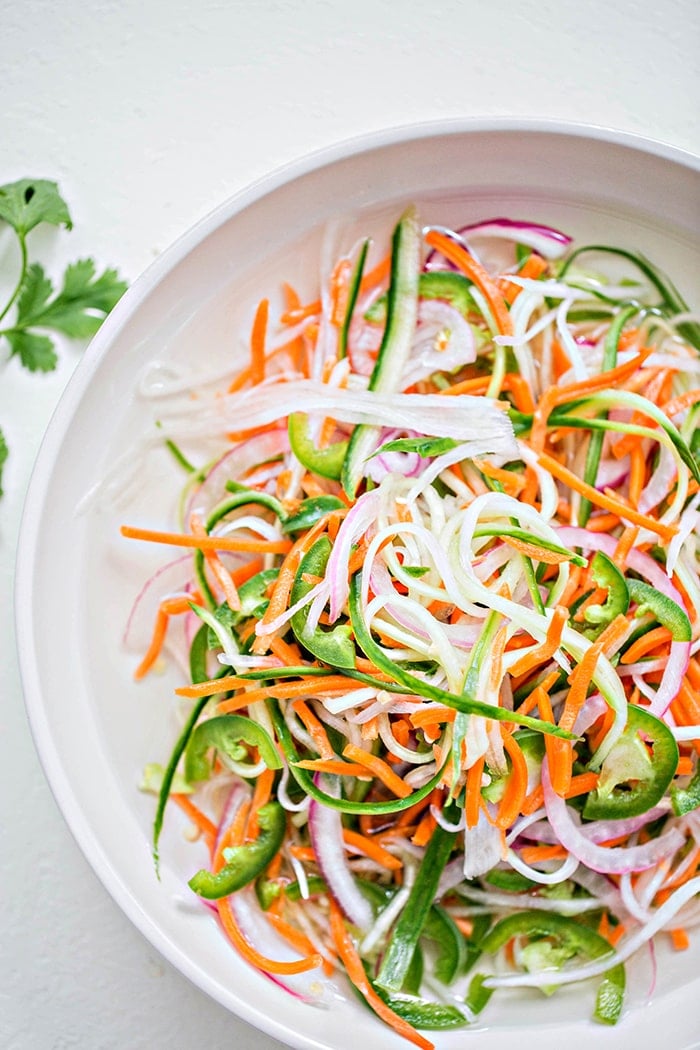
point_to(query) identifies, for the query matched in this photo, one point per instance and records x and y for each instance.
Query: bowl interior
(94, 727)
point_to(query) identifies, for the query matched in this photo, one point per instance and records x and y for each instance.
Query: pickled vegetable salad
(441, 624)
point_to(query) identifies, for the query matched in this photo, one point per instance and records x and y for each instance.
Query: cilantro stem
(20, 282)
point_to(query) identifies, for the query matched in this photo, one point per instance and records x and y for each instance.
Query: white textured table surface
(149, 113)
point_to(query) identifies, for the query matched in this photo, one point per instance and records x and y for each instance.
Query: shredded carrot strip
(314, 728)
(257, 343)
(653, 640)
(254, 957)
(210, 543)
(287, 574)
(221, 574)
(381, 770)
(261, 795)
(559, 395)
(533, 267)
(536, 854)
(680, 403)
(679, 936)
(377, 274)
(283, 691)
(287, 653)
(473, 793)
(582, 675)
(429, 716)
(336, 766)
(476, 273)
(356, 972)
(425, 829)
(601, 499)
(290, 933)
(546, 650)
(516, 784)
(624, 546)
(197, 817)
(371, 849)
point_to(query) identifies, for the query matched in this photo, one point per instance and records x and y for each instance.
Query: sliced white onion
(326, 830)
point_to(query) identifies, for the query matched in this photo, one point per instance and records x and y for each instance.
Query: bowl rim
(53, 768)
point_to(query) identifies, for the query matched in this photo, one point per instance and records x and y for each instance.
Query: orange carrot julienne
(680, 403)
(219, 570)
(356, 972)
(533, 267)
(601, 499)
(208, 543)
(546, 650)
(371, 849)
(314, 728)
(257, 343)
(473, 792)
(516, 784)
(582, 675)
(655, 638)
(425, 829)
(252, 955)
(536, 854)
(261, 795)
(316, 686)
(468, 265)
(296, 938)
(679, 939)
(205, 826)
(167, 608)
(381, 770)
(336, 766)
(287, 574)
(559, 395)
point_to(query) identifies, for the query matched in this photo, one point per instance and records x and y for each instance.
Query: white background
(149, 113)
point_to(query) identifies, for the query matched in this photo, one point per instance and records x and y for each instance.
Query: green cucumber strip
(353, 292)
(595, 444)
(402, 311)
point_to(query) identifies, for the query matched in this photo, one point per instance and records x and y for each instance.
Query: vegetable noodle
(438, 601)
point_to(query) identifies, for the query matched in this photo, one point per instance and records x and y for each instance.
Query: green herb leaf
(26, 203)
(36, 352)
(424, 446)
(79, 308)
(34, 294)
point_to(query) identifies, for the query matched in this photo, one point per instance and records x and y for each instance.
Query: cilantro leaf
(36, 352)
(424, 446)
(34, 293)
(4, 453)
(26, 203)
(81, 305)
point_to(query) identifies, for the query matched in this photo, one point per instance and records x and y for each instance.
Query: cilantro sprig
(35, 308)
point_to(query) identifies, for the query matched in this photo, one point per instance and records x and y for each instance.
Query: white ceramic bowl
(94, 728)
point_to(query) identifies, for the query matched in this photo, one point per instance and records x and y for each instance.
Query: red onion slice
(233, 465)
(607, 860)
(548, 242)
(310, 986)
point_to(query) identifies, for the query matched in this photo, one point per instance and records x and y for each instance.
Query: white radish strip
(477, 421)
